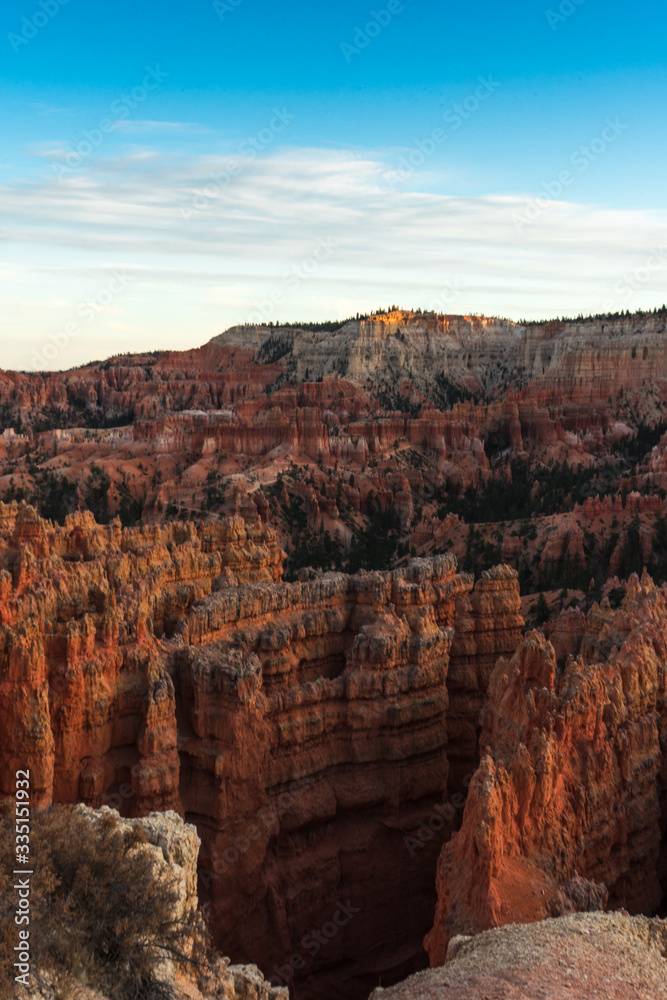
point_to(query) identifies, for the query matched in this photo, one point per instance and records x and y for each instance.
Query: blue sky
(168, 170)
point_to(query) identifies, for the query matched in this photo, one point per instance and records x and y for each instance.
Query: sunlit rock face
(322, 734)
(85, 612)
(341, 792)
(301, 727)
(415, 409)
(572, 781)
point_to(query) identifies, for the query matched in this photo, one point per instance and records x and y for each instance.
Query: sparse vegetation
(541, 613)
(274, 348)
(97, 494)
(98, 914)
(215, 491)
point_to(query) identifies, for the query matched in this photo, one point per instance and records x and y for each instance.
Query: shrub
(541, 610)
(99, 916)
(616, 597)
(97, 494)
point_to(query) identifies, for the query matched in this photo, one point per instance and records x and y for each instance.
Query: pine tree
(541, 612)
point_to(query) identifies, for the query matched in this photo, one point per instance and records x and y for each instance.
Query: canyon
(302, 727)
(284, 585)
(328, 737)
(541, 446)
(571, 790)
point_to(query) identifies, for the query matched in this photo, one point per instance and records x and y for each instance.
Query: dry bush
(98, 914)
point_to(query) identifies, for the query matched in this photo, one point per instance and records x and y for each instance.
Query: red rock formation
(575, 363)
(241, 411)
(566, 633)
(572, 779)
(338, 698)
(302, 727)
(488, 625)
(167, 667)
(81, 612)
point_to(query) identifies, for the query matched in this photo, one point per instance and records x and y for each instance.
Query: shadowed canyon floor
(321, 736)
(302, 727)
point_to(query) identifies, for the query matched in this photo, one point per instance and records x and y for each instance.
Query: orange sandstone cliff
(87, 702)
(456, 428)
(301, 727)
(570, 796)
(230, 586)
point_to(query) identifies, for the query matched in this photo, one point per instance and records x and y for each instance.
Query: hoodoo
(301, 727)
(279, 585)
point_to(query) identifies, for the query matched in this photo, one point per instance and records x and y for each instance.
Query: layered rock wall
(572, 781)
(488, 625)
(87, 702)
(343, 683)
(301, 727)
(564, 356)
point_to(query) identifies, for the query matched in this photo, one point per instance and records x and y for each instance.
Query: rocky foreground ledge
(171, 848)
(592, 956)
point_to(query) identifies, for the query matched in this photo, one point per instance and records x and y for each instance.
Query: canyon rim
(333, 501)
(389, 636)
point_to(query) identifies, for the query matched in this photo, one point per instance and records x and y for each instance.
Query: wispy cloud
(132, 127)
(190, 280)
(51, 109)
